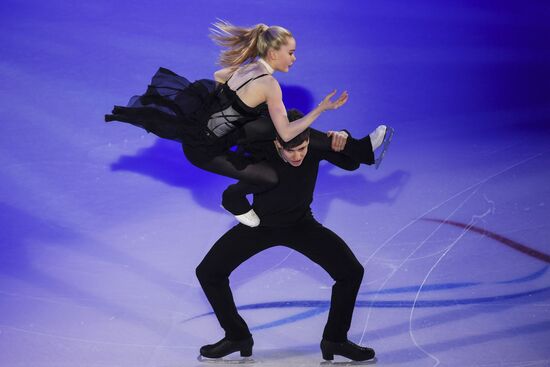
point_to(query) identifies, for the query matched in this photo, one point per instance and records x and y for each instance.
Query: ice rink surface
(103, 225)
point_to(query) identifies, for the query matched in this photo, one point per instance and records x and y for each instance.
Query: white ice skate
(250, 218)
(381, 138)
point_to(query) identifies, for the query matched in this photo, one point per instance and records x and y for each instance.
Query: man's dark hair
(294, 114)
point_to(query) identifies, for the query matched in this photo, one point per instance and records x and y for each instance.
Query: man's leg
(232, 249)
(328, 250)
(325, 248)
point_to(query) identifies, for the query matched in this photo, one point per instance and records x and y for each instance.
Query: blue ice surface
(104, 224)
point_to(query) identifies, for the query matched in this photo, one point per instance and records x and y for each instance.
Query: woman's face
(284, 57)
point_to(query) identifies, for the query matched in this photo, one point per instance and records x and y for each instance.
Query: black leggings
(258, 176)
(308, 237)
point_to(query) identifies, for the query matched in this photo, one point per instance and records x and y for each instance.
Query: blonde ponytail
(245, 44)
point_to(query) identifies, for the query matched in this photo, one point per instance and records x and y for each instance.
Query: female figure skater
(209, 117)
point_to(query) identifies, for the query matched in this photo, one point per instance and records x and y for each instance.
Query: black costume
(286, 219)
(209, 118)
(205, 116)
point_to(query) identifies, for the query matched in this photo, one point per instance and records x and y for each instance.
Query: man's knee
(210, 274)
(205, 274)
(354, 273)
(357, 272)
(350, 273)
(201, 273)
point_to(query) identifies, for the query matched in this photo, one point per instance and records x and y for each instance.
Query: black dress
(204, 115)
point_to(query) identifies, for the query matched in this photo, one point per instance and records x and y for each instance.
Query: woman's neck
(268, 67)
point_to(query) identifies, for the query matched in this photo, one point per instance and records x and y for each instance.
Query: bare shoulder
(269, 84)
(222, 75)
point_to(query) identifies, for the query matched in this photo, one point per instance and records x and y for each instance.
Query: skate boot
(225, 347)
(250, 218)
(345, 349)
(381, 138)
(237, 204)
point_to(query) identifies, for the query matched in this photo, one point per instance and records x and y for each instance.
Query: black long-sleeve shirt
(289, 202)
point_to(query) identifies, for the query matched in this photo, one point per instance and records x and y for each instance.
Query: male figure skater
(286, 219)
(360, 150)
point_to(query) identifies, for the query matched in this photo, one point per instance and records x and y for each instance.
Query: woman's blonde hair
(245, 44)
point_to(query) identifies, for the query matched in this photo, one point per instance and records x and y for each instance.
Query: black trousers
(308, 237)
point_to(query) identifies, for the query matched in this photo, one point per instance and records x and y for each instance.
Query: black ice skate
(345, 349)
(217, 351)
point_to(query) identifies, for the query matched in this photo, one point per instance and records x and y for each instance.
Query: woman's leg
(254, 176)
(263, 130)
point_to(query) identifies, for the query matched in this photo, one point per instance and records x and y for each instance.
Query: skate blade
(224, 361)
(349, 363)
(387, 140)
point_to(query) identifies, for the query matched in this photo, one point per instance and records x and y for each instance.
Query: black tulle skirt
(175, 108)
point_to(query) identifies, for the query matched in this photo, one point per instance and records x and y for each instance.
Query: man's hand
(339, 139)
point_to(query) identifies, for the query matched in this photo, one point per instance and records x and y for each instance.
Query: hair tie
(262, 27)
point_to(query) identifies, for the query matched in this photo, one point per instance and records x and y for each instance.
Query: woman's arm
(277, 110)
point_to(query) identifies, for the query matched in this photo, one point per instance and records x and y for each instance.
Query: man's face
(293, 156)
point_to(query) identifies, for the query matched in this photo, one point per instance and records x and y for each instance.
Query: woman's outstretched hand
(328, 104)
